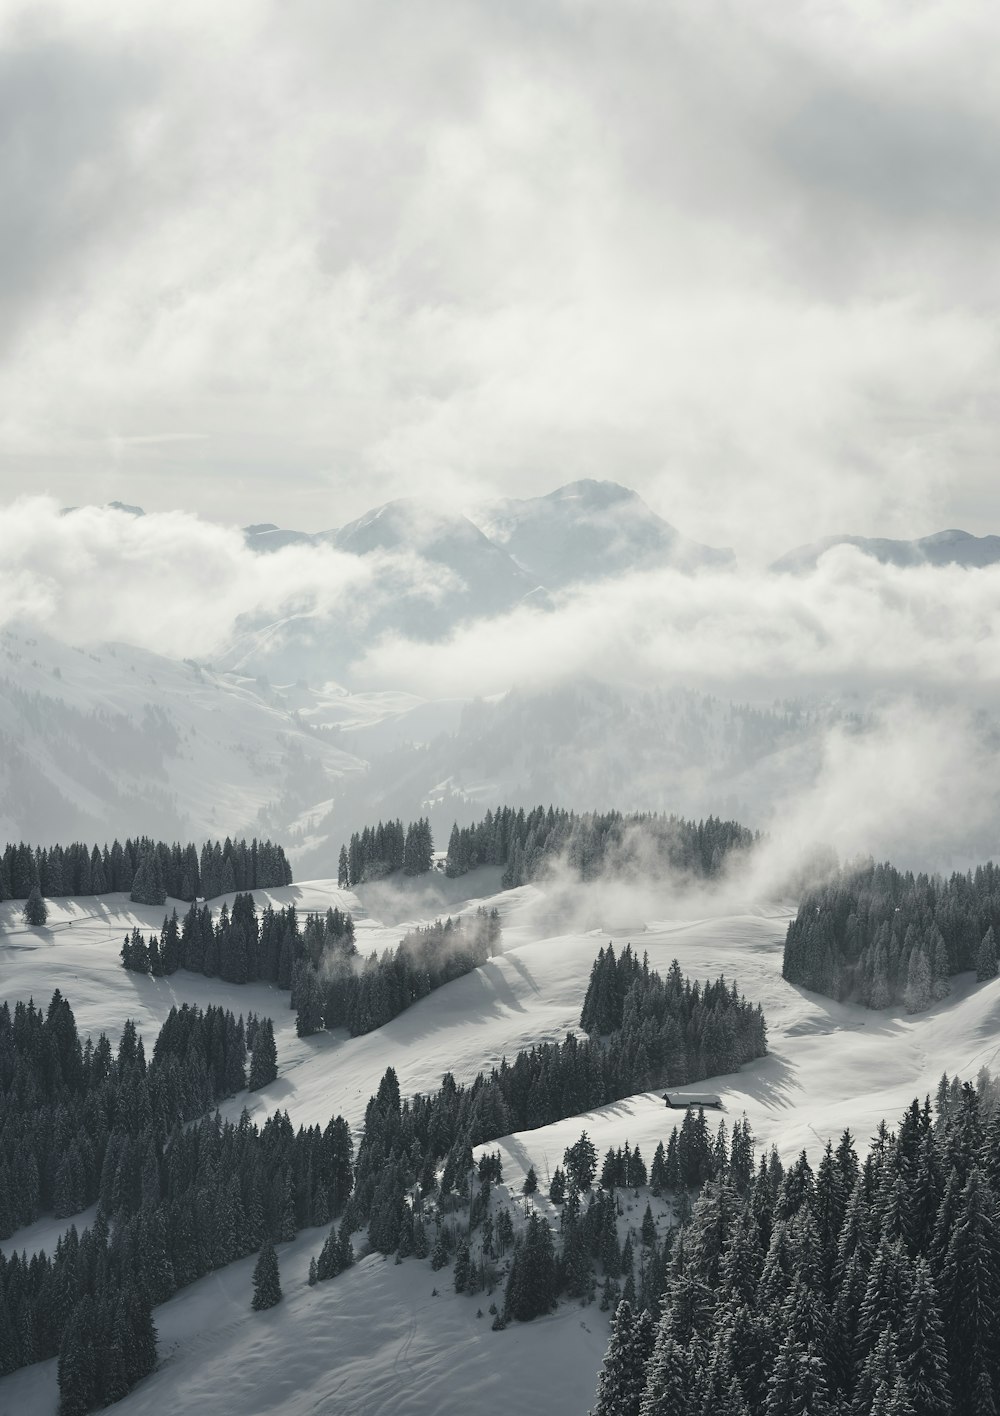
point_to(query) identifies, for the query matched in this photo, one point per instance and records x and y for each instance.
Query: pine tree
(923, 1358)
(797, 1386)
(669, 1389)
(36, 911)
(919, 991)
(266, 1279)
(77, 1369)
(621, 1380)
(986, 957)
(147, 885)
(463, 1267)
(263, 1056)
(970, 1292)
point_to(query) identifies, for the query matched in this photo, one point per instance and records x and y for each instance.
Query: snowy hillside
(375, 1339)
(111, 740)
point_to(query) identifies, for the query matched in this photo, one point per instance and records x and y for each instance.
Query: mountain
(589, 531)
(117, 741)
(441, 568)
(484, 579)
(268, 537)
(435, 571)
(943, 548)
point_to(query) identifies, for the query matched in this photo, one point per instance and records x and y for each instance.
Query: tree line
(381, 850)
(525, 844)
(317, 959)
(146, 870)
(239, 945)
(342, 991)
(869, 1289)
(878, 936)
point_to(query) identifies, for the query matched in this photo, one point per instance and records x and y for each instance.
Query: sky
(282, 263)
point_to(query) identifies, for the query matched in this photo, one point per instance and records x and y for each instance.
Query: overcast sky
(284, 262)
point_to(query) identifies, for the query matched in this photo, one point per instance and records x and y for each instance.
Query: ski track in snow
(374, 1341)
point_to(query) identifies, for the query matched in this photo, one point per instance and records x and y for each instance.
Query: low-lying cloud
(184, 587)
(851, 622)
(904, 662)
(175, 584)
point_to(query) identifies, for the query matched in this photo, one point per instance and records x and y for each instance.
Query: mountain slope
(378, 1339)
(118, 741)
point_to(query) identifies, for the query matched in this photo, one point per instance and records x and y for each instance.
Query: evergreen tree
(923, 1357)
(623, 1375)
(669, 1388)
(986, 957)
(77, 1371)
(263, 1056)
(266, 1279)
(147, 884)
(970, 1294)
(797, 1386)
(463, 1267)
(36, 912)
(531, 1287)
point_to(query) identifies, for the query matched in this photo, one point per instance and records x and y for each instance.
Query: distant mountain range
(483, 563)
(943, 548)
(585, 531)
(441, 568)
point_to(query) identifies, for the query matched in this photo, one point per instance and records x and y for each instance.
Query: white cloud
(738, 258)
(173, 583)
(852, 623)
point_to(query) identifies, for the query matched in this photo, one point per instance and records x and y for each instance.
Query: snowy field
(375, 1339)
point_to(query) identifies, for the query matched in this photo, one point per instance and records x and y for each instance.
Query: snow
(371, 1341)
(374, 1339)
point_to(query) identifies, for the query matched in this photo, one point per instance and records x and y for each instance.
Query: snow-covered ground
(375, 1339)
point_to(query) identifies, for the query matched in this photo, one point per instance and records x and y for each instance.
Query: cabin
(685, 1100)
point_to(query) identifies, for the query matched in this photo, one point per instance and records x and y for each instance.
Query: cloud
(851, 624)
(904, 662)
(175, 584)
(737, 258)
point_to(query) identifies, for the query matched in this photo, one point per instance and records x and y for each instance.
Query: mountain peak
(591, 530)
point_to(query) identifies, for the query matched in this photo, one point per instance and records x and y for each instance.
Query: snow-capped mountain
(589, 531)
(440, 569)
(484, 579)
(942, 548)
